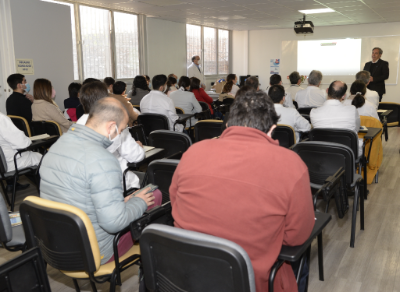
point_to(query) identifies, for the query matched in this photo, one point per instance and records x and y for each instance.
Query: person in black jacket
(73, 100)
(19, 104)
(379, 70)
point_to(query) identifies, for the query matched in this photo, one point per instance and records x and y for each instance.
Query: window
(213, 48)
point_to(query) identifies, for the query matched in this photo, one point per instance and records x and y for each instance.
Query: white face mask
(116, 141)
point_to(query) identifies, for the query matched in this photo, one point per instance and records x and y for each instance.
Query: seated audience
(79, 171)
(176, 78)
(261, 209)
(276, 79)
(370, 95)
(157, 102)
(230, 88)
(80, 110)
(288, 116)
(357, 98)
(140, 88)
(312, 96)
(119, 89)
(43, 107)
(201, 95)
(294, 87)
(253, 83)
(334, 114)
(186, 100)
(18, 103)
(71, 103)
(171, 85)
(125, 148)
(109, 81)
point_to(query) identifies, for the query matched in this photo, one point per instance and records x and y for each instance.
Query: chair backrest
(341, 136)
(27, 272)
(226, 118)
(22, 124)
(394, 118)
(305, 110)
(207, 129)
(152, 122)
(138, 134)
(171, 142)
(45, 127)
(3, 163)
(285, 135)
(323, 159)
(64, 234)
(228, 101)
(175, 259)
(206, 113)
(5, 224)
(160, 173)
(179, 111)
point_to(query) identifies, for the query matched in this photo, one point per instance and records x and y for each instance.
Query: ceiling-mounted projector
(303, 26)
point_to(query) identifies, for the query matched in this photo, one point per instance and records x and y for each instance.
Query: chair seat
(356, 178)
(18, 236)
(20, 171)
(106, 269)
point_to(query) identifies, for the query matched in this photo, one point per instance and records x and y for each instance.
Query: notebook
(15, 219)
(38, 137)
(381, 111)
(148, 148)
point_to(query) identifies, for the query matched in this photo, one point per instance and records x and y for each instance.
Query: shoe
(18, 188)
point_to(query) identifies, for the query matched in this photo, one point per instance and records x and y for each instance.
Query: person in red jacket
(199, 93)
(245, 188)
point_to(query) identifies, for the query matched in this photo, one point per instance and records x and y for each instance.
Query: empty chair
(179, 111)
(207, 129)
(181, 260)
(45, 127)
(138, 134)
(174, 143)
(285, 135)
(160, 173)
(27, 272)
(323, 160)
(305, 110)
(22, 124)
(394, 118)
(152, 122)
(67, 240)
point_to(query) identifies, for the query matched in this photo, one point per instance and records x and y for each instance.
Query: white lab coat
(368, 109)
(291, 117)
(129, 151)
(193, 71)
(156, 102)
(11, 139)
(373, 97)
(293, 89)
(336, 115)
(288, 99)
(187, 101)
(312, 96)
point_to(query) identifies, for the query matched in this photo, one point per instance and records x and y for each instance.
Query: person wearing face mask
(125, 148)
(19, 103)
(157, 102)
(79, 171)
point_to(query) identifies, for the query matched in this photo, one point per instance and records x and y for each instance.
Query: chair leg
(376, 177)
(113, 282)
(320, 258)
(272, 274)
(77, 289)
(361, 198)
(13, 193)
(93, 285)
(354, 218)
(5, 193)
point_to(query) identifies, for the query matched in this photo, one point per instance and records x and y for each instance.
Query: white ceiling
(258, 14)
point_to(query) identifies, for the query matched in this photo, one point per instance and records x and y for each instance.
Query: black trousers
(380, 97)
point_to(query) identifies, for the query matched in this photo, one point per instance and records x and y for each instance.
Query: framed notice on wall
(25, 66)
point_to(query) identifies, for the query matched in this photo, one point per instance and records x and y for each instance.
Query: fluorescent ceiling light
(312, 11)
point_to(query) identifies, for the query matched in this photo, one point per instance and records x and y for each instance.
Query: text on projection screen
(331, 57)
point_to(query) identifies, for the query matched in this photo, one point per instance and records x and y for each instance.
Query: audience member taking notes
(312, 96)
(363, 106)
(260, 209)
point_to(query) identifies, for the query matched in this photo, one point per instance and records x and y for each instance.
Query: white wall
(42, 32)
(266, 44)
(240, 52)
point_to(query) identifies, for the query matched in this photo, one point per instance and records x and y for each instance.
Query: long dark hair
(194, 83)
(170, 81)
(184, 82)
(359, 88)
(139, 82)
(229, 83)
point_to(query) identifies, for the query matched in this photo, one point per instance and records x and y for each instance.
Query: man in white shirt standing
(157, 102)
(312, 96)
(295, 81)
(334, 114)
(194, 70)
(276, 79)
(371, 95)
(288, 116)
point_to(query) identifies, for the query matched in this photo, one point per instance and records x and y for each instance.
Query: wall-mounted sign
(25, 66)
(274, 66)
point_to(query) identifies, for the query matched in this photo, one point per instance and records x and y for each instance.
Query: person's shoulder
(384, 62)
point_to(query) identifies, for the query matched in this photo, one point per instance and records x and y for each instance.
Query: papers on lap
(147, 148)
(38, 137)
(381, 111)
(15, 219)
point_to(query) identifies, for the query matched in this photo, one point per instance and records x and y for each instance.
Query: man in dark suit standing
(379, 70)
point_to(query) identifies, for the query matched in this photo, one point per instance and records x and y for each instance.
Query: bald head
(337, 90)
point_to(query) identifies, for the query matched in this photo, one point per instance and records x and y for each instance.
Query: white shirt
(172, 89)
(11, 139)
(157, 102)
(234, 90)
(187, 101)
(334, 114)
(128, 151)
(291, 117)
(312, 96)
(373, 97)
(293, 89)
(193, 71)
(368, 109)
(288, 99)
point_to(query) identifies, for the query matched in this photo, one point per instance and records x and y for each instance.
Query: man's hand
(148, 198)
(30, 97)
(371, 79)
(139, 143)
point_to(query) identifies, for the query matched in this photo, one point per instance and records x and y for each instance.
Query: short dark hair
(377, 48)
(253, 109)
(109, 81)
(106, 110)
(294, 77)
(336, 90)
(73, 89)
(158, 81)
(119, 87)
(90, 93)
(275, 79)
(276, 93)
(194, 57)
(194, 83)
(14, 79)
(184, 82)
(252, 82)
(88, 80)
